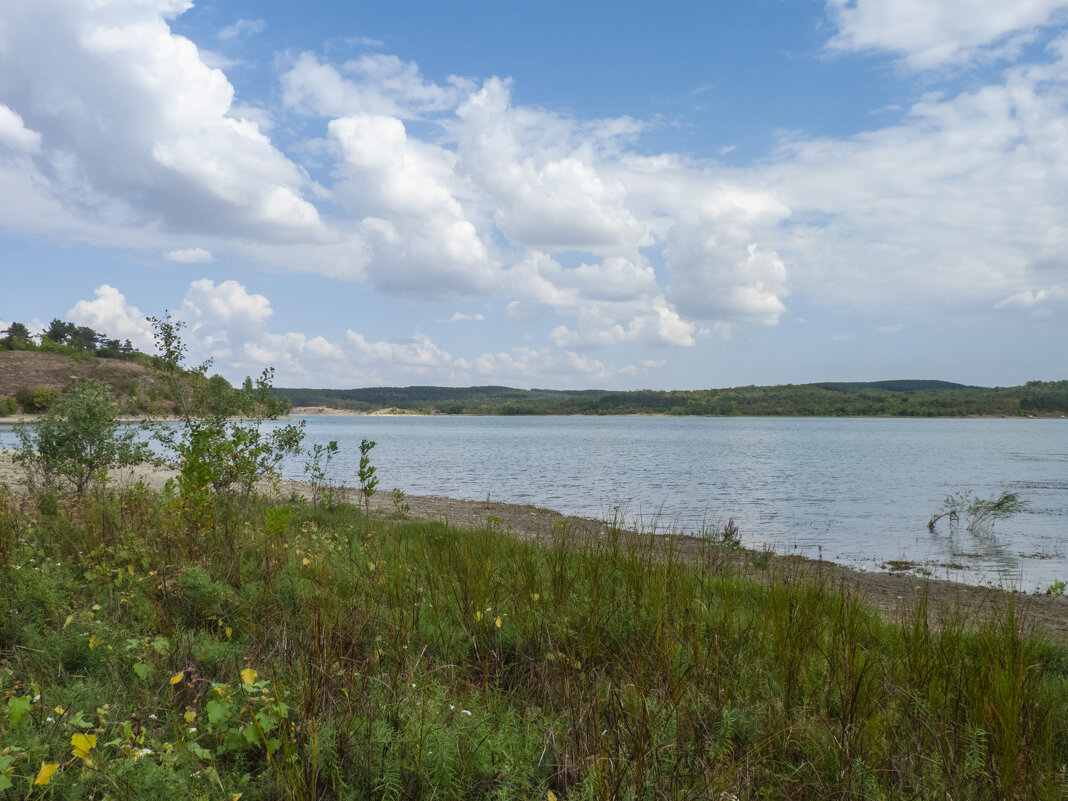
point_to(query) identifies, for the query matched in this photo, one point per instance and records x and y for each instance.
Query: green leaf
(142, 670)
(18, 709)
(216, 711)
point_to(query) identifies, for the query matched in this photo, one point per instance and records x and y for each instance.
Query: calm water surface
(862, 490)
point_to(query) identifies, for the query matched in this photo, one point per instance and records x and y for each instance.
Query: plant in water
(368, 480)
(980, 513)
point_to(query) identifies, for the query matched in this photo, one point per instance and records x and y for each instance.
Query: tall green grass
(283, 651)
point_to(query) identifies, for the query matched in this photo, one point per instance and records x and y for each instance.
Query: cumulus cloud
(930, 34)
(189, 255)
(135, 129)
(377, 84)
(111, 314)
(547, 193)
(113, 126)
(399, 188)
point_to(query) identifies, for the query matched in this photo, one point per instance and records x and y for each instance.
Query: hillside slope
(133, 385)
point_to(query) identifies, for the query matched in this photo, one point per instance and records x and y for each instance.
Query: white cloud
(932, 33)
(109, 313)
(243, 27)
(189, 255)
(135, 129)
(423, 243)
(661, 326)
(382, 85)
(15, 134)
(889, 329)
(538, 171)
(461, 317)
(1042, 299)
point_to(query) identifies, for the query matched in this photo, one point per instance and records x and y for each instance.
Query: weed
(980, 513)
(400, 507)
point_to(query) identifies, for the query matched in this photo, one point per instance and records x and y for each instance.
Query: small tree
(221, 441)
(77, 440)
(368, 480)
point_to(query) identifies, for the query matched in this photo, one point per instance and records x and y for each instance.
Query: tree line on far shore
(904, 398)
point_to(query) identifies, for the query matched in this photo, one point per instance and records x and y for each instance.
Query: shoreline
(893, 594)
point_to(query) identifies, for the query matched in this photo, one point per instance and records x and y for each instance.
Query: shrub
(77, 440)
(24, 398)
(43, 398)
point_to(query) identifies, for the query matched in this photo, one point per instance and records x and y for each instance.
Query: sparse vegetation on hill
(36, 370)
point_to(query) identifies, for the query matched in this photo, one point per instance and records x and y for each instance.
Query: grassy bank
(151, 645)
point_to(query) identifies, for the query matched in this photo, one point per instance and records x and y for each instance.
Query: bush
(77, 440)
(43, 398)
(8, 406)
(24, 398)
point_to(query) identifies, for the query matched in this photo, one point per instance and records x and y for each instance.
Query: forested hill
(900, 398)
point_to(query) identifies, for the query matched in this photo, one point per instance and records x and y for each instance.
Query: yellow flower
(83, 744)
(44, 776)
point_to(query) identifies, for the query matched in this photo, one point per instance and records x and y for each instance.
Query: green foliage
(369, 658)
(43, 398)
(77, 440)
(8, 405)
(400, 507)
(905, 398)
(317, 472)
(368, 480)
(221, 443)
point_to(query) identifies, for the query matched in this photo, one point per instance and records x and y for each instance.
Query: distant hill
(899, 385)
(896, 398)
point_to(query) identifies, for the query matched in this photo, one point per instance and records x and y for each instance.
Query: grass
(284, 651)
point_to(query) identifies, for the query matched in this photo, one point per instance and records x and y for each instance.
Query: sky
(547, 194)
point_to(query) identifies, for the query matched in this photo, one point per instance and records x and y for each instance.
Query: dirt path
(894, 594)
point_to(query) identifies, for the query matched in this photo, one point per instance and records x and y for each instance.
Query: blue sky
(621, 195)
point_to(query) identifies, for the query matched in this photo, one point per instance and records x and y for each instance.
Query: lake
(857, 490)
